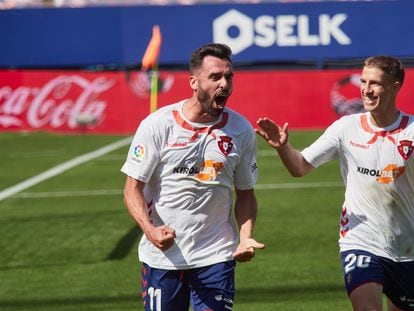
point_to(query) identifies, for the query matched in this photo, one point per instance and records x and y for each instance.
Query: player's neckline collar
(394, 125)
(198, 125)
(179, 119)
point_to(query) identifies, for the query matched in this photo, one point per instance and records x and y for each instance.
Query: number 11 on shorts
(154, 297)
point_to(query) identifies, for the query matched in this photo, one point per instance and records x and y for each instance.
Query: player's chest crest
(225, 144)
(405, 148)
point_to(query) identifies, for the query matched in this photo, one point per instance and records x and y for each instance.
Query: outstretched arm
(162, 236)
(278, 138)
(272, 133)
(246, 211)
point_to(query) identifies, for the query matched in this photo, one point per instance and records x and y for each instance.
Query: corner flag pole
(150, 60)
(154, 89)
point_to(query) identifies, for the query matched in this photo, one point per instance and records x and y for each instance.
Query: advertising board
(257, 33)
(115, 102)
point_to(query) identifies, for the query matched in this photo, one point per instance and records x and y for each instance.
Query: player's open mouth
(221, 99)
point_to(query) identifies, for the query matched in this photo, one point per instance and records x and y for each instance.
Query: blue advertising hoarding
(257, 33)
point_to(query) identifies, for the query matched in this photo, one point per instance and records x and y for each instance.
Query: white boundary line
(62, 167)
(66, 194)
(107, 192)
(327, 184)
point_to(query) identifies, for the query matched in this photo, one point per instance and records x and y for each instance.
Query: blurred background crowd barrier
(11, 4)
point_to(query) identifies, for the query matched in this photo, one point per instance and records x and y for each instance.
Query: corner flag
(150, 61)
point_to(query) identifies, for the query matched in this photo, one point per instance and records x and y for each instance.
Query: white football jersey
(190, 171)
(377, 166)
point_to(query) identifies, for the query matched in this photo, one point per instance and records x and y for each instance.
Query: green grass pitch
(69, 244)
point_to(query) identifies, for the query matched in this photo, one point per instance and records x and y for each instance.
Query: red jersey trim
(365, 126)
(201, 130)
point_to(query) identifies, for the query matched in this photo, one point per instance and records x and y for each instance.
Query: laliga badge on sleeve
(138, 153)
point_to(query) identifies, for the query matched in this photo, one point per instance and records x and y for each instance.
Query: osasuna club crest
(405, 148)
(225, 144)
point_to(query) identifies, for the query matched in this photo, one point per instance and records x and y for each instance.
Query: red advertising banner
(115, 102)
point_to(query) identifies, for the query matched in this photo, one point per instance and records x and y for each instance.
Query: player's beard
(209, 103)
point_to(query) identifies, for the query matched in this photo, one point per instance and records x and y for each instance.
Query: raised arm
(278, 138)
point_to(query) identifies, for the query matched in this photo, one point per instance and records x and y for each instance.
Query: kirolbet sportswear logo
(208, 171)
(282, 30)
(385, 176)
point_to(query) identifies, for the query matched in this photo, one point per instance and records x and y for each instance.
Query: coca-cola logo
(57, 103)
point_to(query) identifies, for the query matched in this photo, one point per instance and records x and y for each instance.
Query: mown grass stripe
(109, 192)
(62, 168)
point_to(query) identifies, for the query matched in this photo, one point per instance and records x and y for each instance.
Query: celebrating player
(182, 166)
(375, 151)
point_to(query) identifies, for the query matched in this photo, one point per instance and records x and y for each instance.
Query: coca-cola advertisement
(72, 101)
(114, 102)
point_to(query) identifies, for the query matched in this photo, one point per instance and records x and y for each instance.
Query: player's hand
(245, 250)
(162, 237)
(274, 135)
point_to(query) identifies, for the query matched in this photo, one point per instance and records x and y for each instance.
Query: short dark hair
(219, 50)
(388, 64)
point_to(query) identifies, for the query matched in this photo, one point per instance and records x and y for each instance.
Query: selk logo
(282, 30)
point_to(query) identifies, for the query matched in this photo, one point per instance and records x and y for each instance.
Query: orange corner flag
(150, 58)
